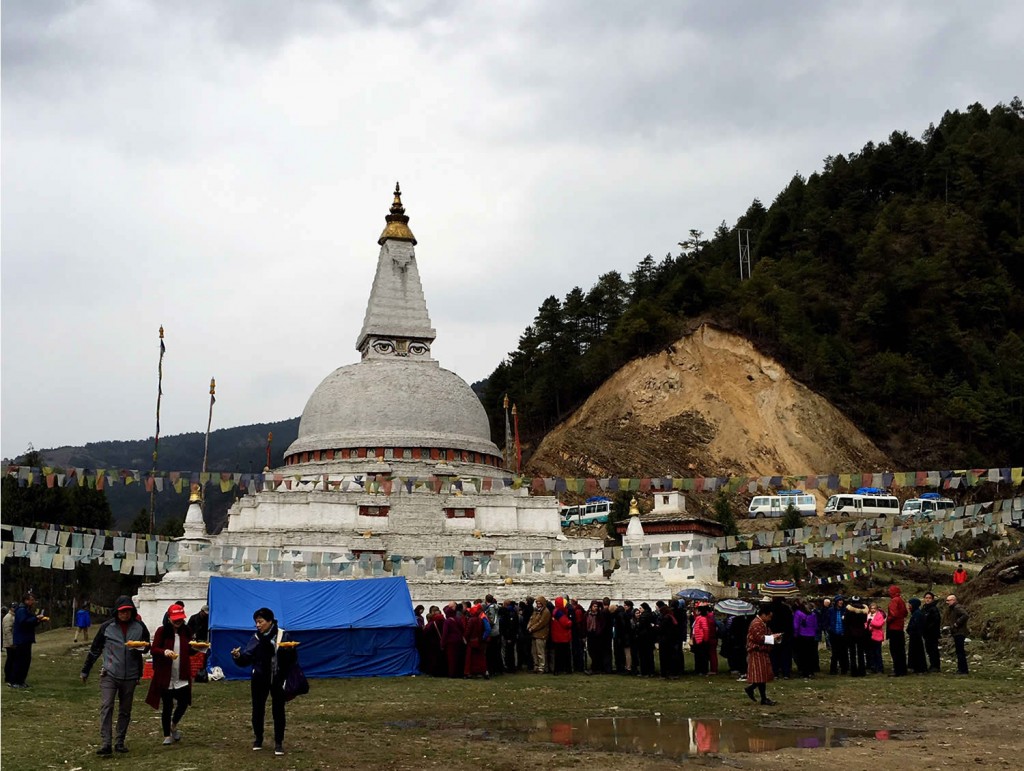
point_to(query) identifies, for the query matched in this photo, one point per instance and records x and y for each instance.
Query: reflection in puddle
(679, 738)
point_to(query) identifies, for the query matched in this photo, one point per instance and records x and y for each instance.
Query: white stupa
(394, 472)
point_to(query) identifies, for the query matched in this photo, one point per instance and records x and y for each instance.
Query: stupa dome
(394, 403)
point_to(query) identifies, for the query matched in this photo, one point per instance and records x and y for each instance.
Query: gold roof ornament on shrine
(397, 228)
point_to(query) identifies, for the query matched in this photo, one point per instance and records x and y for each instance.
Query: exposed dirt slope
(710, 405)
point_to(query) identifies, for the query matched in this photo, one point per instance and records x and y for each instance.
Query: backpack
(487, 629)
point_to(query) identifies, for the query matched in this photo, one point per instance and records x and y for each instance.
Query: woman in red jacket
(561, 637)
(701, 641)
(172, 672)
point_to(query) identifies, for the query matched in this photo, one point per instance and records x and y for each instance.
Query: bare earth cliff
(711, 406)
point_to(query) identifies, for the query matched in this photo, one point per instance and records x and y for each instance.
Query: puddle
(678, 738)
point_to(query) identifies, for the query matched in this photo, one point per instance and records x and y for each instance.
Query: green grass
(425, 722)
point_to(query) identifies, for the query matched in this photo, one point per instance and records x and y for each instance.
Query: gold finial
(506, 401)
(161, 331)
(514, 409)
(634, 511)
(397, 228)
(213, 386)
(396, 205)
(196, 494)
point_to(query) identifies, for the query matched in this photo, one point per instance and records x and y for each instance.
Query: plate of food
(200, 645)
(136, 643)
(288, 644)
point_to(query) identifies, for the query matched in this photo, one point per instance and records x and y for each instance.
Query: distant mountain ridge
(240, 449)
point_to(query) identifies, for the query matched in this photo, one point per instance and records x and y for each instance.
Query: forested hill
(242, 449)
(891, 282)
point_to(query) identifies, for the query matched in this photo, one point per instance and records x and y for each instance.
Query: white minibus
(776, 505)
(866, 502)
(927, 506)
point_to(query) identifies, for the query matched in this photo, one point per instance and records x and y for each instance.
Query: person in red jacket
(895, 622)
(959, 575)
(561, 636)
(701, 644)
(172, 672)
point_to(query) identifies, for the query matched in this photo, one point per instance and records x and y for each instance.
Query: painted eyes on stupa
(400, 348)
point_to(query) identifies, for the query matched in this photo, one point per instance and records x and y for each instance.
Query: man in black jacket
(668, 641)
(509, 627)
(956, 617)
(931, 630)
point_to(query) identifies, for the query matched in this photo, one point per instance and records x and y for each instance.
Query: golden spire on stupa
(397, 228)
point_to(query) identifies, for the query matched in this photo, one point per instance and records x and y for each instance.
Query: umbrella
(698, 595)
(780, 588)
(734, 607)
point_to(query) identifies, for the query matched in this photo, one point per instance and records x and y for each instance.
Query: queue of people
(560, 636)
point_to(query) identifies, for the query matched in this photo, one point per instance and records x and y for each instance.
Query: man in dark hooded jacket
(120, 641)
(930, 630)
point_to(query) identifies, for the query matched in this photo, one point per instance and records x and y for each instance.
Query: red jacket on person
(897, 615)
(700, 630)
(561, 623)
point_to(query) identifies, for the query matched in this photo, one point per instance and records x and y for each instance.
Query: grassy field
(423, 722)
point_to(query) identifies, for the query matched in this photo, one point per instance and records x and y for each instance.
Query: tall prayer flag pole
(209, 421)
(519, 448)
(508, 439)
(156, 437)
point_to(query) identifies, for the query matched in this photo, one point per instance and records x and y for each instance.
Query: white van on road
(927, 506)
(866, 502)
(776, 505)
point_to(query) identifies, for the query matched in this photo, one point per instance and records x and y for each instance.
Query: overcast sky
(223, 168)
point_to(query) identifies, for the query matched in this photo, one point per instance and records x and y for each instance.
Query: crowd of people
(484, 638)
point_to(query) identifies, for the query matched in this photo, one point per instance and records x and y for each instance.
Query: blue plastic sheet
(351, 628)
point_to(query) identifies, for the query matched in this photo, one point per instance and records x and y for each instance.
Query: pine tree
(791, 518)
(724, 514)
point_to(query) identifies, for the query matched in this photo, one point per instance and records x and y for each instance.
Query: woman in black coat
(271, 663)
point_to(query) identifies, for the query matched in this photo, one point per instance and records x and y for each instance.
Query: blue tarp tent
(347, 628)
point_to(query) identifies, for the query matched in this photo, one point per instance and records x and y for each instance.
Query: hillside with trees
(242, 449)
(891, 282)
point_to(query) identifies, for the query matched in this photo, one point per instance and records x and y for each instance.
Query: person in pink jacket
(702, 641)
(876, 630)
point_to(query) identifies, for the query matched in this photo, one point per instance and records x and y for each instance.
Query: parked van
(597, 509)
(866, 502)
(776, 505)
(927, 506)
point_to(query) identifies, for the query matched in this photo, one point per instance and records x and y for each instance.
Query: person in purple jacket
(805, 639)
